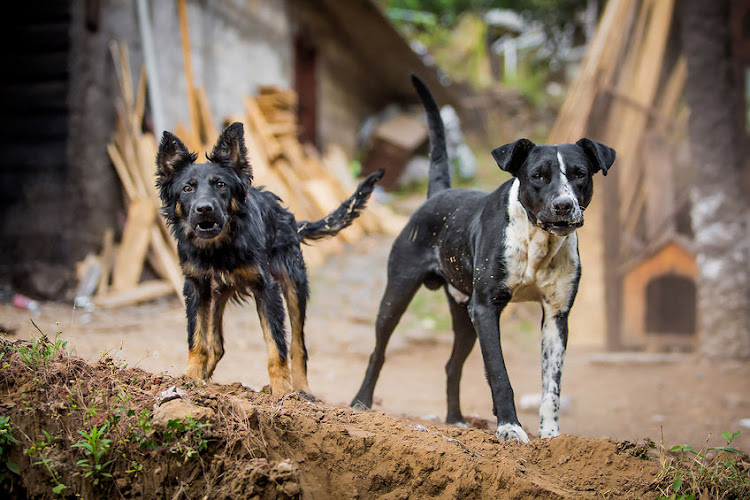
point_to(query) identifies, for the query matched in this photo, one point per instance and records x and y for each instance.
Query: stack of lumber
(628, 95)
(309, 184)
(145, 237)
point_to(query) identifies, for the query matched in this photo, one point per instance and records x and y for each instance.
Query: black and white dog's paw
(506, 432)
(549, 431)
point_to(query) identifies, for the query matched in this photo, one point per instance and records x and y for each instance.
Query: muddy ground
(607, 401)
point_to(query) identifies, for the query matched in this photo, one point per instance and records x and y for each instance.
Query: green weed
(39, 450)
(95, 446)
(711, 472)
(186, 436)
(41, 351)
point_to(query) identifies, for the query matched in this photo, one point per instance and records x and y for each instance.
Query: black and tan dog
(235, 241)
(517, 243)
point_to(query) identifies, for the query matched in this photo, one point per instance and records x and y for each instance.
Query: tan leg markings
(297, 350)
(216, 330)
(278, 369)
(198, 354)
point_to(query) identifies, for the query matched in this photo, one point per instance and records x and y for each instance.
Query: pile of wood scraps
(143, 264)
(145, 239)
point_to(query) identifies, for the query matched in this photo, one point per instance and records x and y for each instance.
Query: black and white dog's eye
(220, 185)
(188, 189)
(579, 174)
(538, 177)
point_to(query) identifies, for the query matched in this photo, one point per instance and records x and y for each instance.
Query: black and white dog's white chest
(540, 266)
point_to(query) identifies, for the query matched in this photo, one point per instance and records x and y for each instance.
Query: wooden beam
(188, 64)
(135, 241)
(148, 290)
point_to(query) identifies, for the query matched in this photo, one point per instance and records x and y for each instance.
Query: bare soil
(265, 445)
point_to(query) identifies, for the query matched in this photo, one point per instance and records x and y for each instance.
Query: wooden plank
(597, 70)
(672, 93)
(122, 172)
(148, 290)
(167, 261)
(135, 242)
(644, 86)
(188, 65)
(257, 120)
(107, 260)
(205, 116)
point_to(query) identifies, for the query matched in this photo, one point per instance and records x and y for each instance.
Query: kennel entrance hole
(671, 305)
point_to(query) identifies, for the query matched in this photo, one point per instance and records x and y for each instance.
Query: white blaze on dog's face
(555, 180)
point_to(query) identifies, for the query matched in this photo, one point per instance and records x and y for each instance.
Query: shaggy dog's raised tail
(343, 216)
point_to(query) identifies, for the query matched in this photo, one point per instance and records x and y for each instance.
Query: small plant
(6, 440)
(187, 436)
(39, 450)
(95, 446)
(711, 472)
(143, 430)
(41, 351)
(135, 468)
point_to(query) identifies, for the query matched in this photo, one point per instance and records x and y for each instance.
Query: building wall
(347, 91)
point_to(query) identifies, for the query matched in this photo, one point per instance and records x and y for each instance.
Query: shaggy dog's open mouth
(207, 228)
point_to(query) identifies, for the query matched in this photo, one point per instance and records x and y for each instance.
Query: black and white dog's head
(555, 180)
(201, 199)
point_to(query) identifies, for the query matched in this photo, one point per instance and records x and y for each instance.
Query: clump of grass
(41, 350)
(720, 472)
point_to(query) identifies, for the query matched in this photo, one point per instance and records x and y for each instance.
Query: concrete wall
(236, 45)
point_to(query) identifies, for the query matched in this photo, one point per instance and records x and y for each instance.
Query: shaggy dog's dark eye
(579, 174)
(188, 189)
(538, 176)
(220, 185)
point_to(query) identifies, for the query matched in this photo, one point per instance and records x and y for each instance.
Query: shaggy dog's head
(200, 200)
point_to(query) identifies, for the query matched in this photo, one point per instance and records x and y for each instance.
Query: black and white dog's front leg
(554, 342)
(485, 314)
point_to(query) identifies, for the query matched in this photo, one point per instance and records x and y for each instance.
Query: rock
(180, 409)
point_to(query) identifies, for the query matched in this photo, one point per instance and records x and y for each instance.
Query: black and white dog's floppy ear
(172, 157)
(230, 151)
(510, 157)
(601, 157)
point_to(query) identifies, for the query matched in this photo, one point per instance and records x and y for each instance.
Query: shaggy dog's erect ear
(510, 157)
(230, 151)
(601, 157)
(172, 157)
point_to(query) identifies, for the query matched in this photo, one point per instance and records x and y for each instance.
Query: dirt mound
(108, 431)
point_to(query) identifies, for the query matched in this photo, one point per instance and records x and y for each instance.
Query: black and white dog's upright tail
(343, 216)
(440, 173)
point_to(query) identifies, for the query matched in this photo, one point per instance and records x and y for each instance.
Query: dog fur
(517, 243)
(236, 241)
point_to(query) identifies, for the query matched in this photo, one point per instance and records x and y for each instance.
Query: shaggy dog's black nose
(204, 208)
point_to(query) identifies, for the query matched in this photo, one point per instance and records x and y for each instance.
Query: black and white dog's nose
(563, 206)
(204, 208)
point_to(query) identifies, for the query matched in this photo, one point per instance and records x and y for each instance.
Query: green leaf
(57, 490)
(13, 467)
(728, 449)
(677, 483)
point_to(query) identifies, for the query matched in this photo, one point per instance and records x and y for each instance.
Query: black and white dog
(517, 243)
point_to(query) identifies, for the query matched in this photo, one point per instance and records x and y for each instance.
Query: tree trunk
(719, 203)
